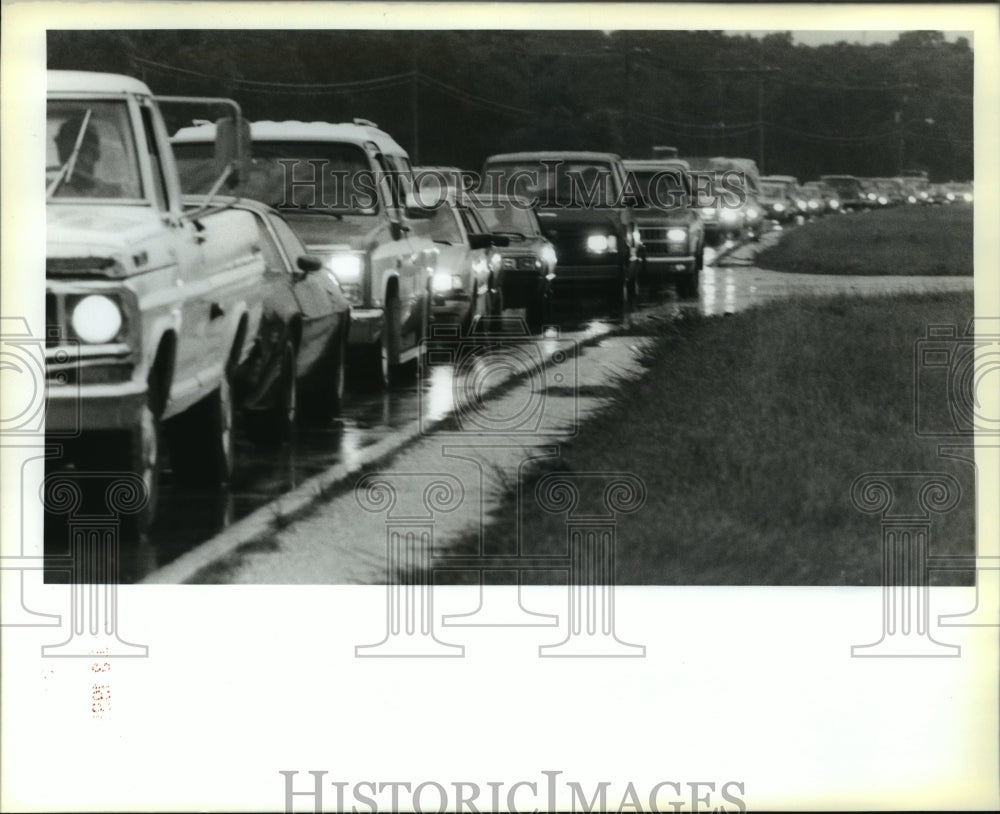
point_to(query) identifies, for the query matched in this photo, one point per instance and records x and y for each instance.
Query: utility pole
(415, 103)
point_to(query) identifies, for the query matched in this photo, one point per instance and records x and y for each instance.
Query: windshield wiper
(66, 170)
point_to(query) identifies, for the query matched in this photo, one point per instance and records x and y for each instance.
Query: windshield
(844, 185)
(90, 152)
(321, 175)
(663, 189)
(507, 216)
(772, 190)
(556, 183)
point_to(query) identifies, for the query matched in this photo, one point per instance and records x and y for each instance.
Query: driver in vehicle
(80, 181)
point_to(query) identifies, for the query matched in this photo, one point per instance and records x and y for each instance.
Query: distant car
(297, 363)
(956, 192)
(777, 200)
(528, 261)
(815, 203)
(918, 184)
(890, 191)
(719, 206)
(672, 233)
(831, 203)
(848, 189)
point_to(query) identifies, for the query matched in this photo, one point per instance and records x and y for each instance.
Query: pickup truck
(151, 304)
(347, 190)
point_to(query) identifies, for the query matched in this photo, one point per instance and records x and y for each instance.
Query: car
(815, 203)
(150, 304)
(848, 189)
(465, 283)
(298, 362)
(917, 184)
(831, 201)
(777, 200)
(672, 233)
(527, 263)
(346, 189)
(718, 206)
(958, 192)
(586, 211)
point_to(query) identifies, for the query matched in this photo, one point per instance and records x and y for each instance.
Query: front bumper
(450, 307)
(366, 326)
(665, 265)
(591, 274)
(97, 407)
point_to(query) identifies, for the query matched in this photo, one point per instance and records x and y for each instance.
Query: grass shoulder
(907, 240)
(748, 432)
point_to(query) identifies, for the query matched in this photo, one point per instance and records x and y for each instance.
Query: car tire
(537, 313)
(274, 424)
(687, 286)
(202, 439)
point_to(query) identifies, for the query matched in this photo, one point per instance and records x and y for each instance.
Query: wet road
(189, 516)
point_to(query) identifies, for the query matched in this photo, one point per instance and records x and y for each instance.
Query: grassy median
(748, 432)
(906, 240)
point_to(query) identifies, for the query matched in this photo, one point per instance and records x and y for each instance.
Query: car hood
(103, 240)
(665, 217)
(355, 232)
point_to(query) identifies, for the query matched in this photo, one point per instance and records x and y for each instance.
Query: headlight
(814, 204)
(346, 267)
(548, 255)
(871, 196)
(779, 207)
(598, 244)
(950, 196)
(967, 197)
(729, 215)
(443, 281)
(883, 200)
(753, 213)
(495, 262)
(834, 204)
(911, 199)
(96, 319)
(677, 235)
(923, 195)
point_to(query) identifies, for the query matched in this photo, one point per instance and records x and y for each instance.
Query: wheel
(201, 446)
(619, 294)
(687, 286)
(537, 313)
(136, 452)
(274, 424)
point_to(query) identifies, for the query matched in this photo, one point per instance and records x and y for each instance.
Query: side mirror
(232, 149)
(486, 241)
(307, 264)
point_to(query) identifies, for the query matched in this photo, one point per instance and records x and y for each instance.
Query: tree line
(454, 97)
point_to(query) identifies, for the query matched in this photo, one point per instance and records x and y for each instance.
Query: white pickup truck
(150, 305)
